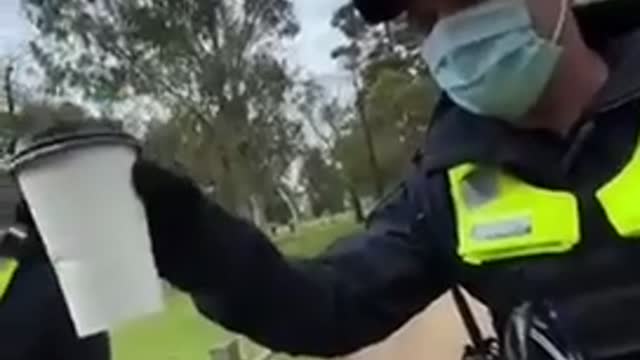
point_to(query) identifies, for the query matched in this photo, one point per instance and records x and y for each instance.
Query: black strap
(470, 323)
(481, 348)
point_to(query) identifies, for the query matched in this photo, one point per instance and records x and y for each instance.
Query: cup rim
(66, 142)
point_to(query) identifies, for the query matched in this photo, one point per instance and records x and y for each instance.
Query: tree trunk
(356, 204)
(291, 204)
(228, 198)
(391, 39)
(373, 158)
(257, 211)
(9, 90)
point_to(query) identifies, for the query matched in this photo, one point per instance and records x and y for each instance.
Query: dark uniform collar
(623, 56)
(457, 136)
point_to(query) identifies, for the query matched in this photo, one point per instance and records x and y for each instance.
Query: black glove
(182, 224)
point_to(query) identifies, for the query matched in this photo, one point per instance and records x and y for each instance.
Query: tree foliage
(393, 95)
(211, 63)
(369, 44)
(323, 185)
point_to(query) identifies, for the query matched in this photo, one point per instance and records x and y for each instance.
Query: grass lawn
(314, 238)
(180, 333)
(176, 334)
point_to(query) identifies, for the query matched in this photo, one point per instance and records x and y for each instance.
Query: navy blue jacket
(35, 323)
(369, 286)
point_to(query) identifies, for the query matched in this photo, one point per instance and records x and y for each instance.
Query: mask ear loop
(562, 20)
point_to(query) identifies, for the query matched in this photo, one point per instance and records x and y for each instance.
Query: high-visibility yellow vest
(501, 217)
(8, 268)
(620, 198)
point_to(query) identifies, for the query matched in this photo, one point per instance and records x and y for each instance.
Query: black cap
(600, 21)
(377, 11)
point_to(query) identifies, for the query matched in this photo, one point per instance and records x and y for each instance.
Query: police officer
(525, 194)
(34, 319)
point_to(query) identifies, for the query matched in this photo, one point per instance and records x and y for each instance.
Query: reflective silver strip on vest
(502, 229)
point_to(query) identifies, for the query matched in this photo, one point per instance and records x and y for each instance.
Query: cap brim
(377, 11)
(603, 19)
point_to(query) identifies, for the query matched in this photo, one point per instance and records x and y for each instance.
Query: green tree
(369, 49)
(398, 107)
(351, 57)
(322, 183)
(401, 103)
(177, 144)
(366, 44)
(329, 120)
(393, 95)
(211, 63)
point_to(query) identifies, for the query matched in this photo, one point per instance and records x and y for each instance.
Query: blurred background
(295, 116)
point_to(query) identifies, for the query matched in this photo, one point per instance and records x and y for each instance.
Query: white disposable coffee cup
(79, 189)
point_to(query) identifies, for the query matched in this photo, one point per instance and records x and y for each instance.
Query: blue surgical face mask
(490, 60)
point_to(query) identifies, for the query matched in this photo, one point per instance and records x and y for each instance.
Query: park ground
(180, 333)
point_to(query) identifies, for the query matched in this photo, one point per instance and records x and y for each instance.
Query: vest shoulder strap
(8, 268)
(620, 196)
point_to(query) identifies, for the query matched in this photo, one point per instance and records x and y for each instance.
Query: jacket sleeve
(357, 294)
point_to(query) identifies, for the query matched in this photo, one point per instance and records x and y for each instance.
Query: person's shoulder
(417, 196)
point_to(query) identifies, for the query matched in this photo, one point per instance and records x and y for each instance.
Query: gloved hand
(182, 225)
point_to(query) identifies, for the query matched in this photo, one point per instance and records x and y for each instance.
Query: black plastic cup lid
(64, 137)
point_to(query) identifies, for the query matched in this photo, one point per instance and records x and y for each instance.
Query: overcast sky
(311, 48)
(13, 28)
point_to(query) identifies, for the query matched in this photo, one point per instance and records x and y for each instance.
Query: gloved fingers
(153, 182)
